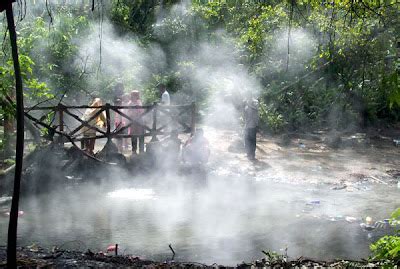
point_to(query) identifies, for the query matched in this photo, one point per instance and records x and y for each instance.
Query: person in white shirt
(165, 99)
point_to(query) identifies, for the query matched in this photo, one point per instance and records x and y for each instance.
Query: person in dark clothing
(251, 119)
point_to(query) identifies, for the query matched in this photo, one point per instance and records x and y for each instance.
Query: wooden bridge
(63, 123)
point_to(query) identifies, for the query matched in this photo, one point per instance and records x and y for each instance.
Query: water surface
(223, 219)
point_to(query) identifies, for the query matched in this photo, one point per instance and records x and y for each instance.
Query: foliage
(339, 70)
(271, 119)
(388, 247)
(274, 257)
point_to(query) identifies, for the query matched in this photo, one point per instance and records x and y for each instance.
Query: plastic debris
(111, 248)
(335, 218)
(311, 205)
(20, 213)
(396, 142)
(367, 227)
(350, 219)
(33, 248)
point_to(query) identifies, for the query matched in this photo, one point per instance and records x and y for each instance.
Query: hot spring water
(221, 219)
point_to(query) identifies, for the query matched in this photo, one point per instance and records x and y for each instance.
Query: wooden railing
(153, 119)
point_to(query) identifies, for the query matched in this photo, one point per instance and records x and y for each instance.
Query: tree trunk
(13, 224)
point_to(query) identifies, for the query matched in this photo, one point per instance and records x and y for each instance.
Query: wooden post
(193, 119)
(154, 129)
(108, 122)
(60, 109)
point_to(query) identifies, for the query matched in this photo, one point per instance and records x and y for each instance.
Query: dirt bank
(36, 257)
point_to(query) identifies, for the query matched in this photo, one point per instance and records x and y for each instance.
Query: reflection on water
(226, 220)
(132, 194)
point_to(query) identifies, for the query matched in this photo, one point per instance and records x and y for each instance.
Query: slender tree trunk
(13, 224)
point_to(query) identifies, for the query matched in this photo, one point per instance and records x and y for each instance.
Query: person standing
(251, 119)
(93, 119)
(165, 99)
(118, 124)
(137, 129)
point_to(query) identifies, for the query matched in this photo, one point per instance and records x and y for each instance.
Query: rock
(334, 141)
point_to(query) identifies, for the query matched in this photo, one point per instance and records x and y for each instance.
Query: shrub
(388, 247)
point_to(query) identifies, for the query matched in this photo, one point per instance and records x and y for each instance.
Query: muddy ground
(37, 257)
(319, 157)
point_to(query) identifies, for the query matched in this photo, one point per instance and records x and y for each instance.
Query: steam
(302, 48)
(104, 53)
(213, 69)
(216, 216)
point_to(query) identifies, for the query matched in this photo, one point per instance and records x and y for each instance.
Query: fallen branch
(173, 252)
(378, 180)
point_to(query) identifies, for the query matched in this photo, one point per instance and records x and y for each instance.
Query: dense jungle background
(311, 63)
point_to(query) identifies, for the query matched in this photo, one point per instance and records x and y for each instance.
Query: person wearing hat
(251, 119)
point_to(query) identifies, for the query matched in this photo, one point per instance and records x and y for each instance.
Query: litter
(378, 180)
(111, 248)
(367, 227)
(33, 248)
(370, 226)
(350, 219)
(20, 213)
(396, 142)
(335, 218)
